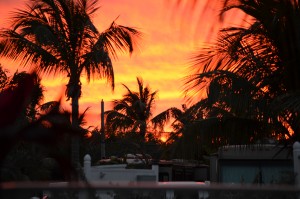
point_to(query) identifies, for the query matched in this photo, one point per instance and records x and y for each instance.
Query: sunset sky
(169, 40)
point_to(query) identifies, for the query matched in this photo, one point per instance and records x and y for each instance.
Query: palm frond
(162, 118)
(120, 38)
(117, 121)
(19, 48)
(288, 101)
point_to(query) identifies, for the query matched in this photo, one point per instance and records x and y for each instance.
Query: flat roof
(256, 151)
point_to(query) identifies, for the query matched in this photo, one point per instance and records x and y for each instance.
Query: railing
(146, 191)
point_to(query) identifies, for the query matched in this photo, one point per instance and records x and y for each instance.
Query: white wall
(117, 173)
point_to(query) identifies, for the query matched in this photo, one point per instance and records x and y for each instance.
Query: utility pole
(102, 131)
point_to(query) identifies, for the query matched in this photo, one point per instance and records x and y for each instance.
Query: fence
(146, 191)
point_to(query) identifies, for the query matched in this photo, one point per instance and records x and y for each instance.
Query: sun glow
(163, 138)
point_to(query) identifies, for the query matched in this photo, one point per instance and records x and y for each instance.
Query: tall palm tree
(278, 23)
(265, 53)
(273, 35)
(132, 113)
(58, 36)
(273, 31)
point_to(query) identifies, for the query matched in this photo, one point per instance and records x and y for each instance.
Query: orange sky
(168, 42)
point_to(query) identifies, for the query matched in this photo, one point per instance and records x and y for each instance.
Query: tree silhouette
(16, 129)
(58, 36)
(265, 53)
(132, 113)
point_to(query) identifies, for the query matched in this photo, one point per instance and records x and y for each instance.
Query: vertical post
(102, 131)
(87, 166)
(155, 169)
(83, 194)
(213, 170)
(296, 157)
(170, 194)
(204, 194)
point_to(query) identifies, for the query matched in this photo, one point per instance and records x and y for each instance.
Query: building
(258, 164)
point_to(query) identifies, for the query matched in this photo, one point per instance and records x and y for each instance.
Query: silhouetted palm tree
(133, 112)
(234, 112)
(58, 36)
(182, 144)
(265, 53)
(277, 22)
(271, 41)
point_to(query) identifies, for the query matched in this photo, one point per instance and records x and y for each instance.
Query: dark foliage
(43, 136)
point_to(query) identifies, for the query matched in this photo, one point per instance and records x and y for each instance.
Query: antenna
(102, 131)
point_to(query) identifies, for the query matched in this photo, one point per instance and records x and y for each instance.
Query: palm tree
(273, 36)
(234, 112)
(133, 112)
(131, 118)
(278, 23)
(265, 53)
(58, 36)
(274, 32)
(181, 142)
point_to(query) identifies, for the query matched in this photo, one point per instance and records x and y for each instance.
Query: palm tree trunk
(75, 139)
(143, 129)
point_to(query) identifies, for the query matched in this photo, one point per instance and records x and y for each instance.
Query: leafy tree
(58, 36)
